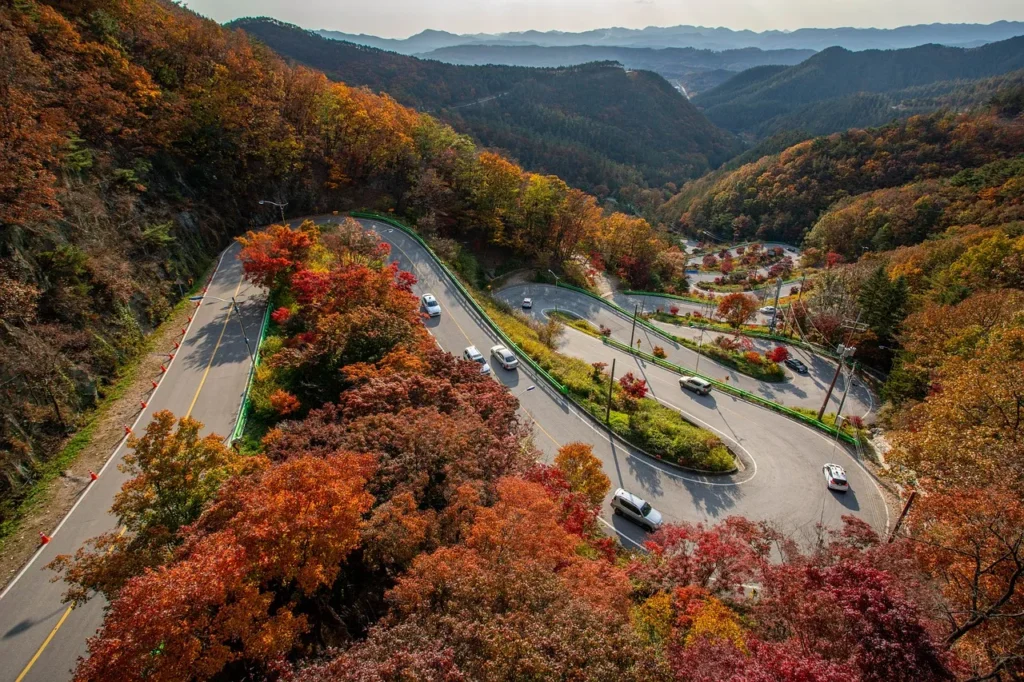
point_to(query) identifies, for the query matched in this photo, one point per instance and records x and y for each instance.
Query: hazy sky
(401, 18)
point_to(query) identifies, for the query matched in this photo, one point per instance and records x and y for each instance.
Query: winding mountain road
(781, 481)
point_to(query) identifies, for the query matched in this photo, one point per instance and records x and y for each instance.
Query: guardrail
(368, 215)
(246, 407)
(738, 392)
(477, 308)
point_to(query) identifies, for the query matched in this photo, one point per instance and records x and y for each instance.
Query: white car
(431, 305)
(695, 384)
(636, 510)
(473, 355)
(527, 303)
(504, 357)
(835, 477)
(768, 310)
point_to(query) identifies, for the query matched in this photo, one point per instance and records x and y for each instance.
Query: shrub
(281, 315)
(633, 387)
(753, 357)
(605, 331)
(283, 402)
(659, 352)
(778, 354)
(673, 309)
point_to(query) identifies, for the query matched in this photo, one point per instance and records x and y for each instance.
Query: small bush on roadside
(659, 352)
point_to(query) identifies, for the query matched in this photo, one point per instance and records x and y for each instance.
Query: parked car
(768, 310)
(636, 509)
(473, 355)
(695, 384)
(431, 305)
(527, 303)
(796, 365)
(835, 477)
(504, 357)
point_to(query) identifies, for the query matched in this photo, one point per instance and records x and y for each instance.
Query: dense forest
(598, 126)
(837, 89)
(138, 138)
(782, 196)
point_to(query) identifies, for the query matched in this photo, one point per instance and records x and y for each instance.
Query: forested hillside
(782, 196)
(838, 89)
(696, 70)
(598, 126)
(138, 138)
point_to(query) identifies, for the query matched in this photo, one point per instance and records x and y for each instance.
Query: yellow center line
(213, 355)
(49, 637)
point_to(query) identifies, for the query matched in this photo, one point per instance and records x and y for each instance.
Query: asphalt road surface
(40, 638)
(781, 481)
(798, 390)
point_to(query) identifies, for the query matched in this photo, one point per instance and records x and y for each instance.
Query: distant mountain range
(598, 126)
(701, 37)
(838, 89)
(693, 69)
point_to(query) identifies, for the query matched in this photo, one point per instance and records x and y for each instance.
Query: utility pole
(700, 344)
(903, 515)
(633, 332)
(234, 303)
(775, 312)
(611, 383)
(845, 351)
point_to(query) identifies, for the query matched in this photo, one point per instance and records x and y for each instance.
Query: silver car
(504, 357)
(636, 510)
(473, 355)
(431, 305)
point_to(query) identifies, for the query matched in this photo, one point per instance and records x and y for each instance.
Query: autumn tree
(174, 475)
(229, 601)
(969, 543)
(583, 471)
(736, 309)
(269, 257)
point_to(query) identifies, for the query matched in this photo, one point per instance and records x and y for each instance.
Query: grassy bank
(661, 431)
(763, 370)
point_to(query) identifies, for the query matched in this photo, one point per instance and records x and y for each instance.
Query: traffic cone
(93, 475)
(154, 384)
(177, 345)
(163, 369)
(170, 356)
(144, 404)
(189, 318)
(44, 539)
(127, 429)
(183, 331)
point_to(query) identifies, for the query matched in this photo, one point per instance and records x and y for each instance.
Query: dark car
(796, 365)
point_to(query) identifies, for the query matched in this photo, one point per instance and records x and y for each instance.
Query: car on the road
(768, 310)
(431, 305)
(473, 355)
(504, 357)
(796, 365)
(695, 384)
(636, 509)
(527, 303)
(835, 477)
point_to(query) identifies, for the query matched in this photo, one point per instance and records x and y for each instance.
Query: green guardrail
(243, 412)
(738, 392)
(675, 297)
(367, 215)
(477, 308)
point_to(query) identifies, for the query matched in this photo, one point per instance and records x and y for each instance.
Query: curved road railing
(732, 390)
(246, 407)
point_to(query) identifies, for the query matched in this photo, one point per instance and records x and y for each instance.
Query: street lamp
(274, 203)
(525, 390)
(234, 306)
(555, 276)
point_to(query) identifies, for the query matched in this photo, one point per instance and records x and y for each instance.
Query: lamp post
(234, 307)
(274, 203)
(525, 390)
(700, 344)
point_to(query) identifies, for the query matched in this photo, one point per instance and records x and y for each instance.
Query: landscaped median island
(659, 430)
